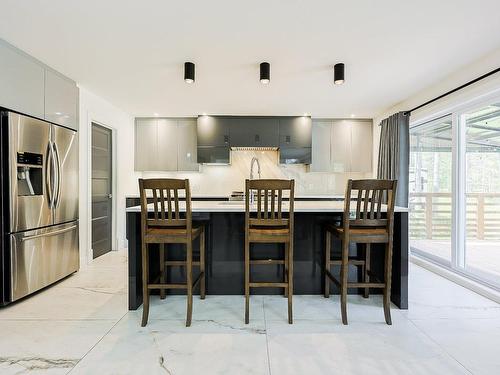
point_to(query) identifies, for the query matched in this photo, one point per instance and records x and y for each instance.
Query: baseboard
(472, 285)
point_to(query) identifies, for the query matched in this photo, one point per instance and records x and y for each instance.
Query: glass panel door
(431, 189)
(482, 193)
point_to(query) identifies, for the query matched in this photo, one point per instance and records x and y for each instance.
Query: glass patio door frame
(459, 178)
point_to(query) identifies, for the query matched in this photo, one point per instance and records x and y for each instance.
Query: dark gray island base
(225, 255)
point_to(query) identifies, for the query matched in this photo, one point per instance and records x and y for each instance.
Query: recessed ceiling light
(188, 72)
(58, 113)
(265, 73)
(155, 114)
(353, 115)
(338, 73)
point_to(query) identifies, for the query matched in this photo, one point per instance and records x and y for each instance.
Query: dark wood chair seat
(368, 226)
(269, 234)
(167, 235)
(268, 224)
(168, 226)
(361, 235)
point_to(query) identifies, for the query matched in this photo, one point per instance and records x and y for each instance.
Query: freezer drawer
(41, 257)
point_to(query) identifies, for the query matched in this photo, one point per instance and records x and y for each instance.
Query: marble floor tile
(472, 342)
(50, 346)
(323, 347)
(167, 347)
(60, 303)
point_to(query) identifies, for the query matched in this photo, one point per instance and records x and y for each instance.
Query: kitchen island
(225, 233)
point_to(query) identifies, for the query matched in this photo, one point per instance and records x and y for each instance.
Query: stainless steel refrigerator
(39, 204)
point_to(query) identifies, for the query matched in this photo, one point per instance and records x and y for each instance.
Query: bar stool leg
(328, 246)
(344, 271)
(189, 272)
(202, 263)
(285, 273)
(290, 282)
(366, 276)
(388, 277)
(145, 280)
(247, 280)
(162, 269)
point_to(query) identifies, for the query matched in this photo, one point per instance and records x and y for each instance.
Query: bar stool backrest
(269, 202)
(166, 213)
(373, 198)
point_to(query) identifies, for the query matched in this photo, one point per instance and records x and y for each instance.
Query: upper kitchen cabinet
(341, 151)
(186, 142)
(213, 131)
(61, 100)
(165, 144)
(254, 132)
(21, 82)
(362, 145)
(321, 155)
(146, 144)
(295, 132)
(213, 140)
(342, 146)
(295, 140)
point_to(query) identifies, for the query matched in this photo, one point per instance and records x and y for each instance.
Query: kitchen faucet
(254, 160)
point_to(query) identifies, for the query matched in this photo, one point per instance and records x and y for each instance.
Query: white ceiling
(132, 52)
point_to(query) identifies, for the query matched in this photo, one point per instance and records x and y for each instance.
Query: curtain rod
(452, 91)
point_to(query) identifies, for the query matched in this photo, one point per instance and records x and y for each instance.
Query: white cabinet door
(341, 146)
(361, 146)
(321, 144)
(186, 150)
(61, 100)
(146, 145)
(21, 82)
(167, 144)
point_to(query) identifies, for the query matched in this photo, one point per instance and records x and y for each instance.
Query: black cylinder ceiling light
(188, 72)
(338, 73)
(265, 73)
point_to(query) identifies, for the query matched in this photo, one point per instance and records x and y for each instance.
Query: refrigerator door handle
(47, 234)
(48, 174)
(57, 161)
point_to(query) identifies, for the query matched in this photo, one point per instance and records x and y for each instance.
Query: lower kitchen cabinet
(165, 144)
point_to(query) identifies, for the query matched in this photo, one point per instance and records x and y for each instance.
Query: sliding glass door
(431, 189)
(482, 192)
(455, 191)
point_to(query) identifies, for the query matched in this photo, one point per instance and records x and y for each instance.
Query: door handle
(48, 174)
(48, 234)
(58, 174)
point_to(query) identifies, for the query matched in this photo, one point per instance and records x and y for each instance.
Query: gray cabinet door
(341, 146)
(21, 82)
(321, 140)
(254, 132)
(213, 131)
(146, 144)
(61, 100)
(361, 146)
(295, 132)
(167, 145)
(186, 149)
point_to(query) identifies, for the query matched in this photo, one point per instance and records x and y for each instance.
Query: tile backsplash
(221, 180)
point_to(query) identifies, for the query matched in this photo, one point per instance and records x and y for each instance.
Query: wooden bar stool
(168, 227)
(266, 223)
(367, 226)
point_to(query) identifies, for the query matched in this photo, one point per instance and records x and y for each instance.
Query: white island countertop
(239, 206)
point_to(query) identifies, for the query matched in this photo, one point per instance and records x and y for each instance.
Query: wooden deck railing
(430, 216)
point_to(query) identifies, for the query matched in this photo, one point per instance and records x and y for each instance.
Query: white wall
(486, 87)
(95, 109)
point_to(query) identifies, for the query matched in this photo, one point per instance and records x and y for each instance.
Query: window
(431, 189)
(455, 191)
